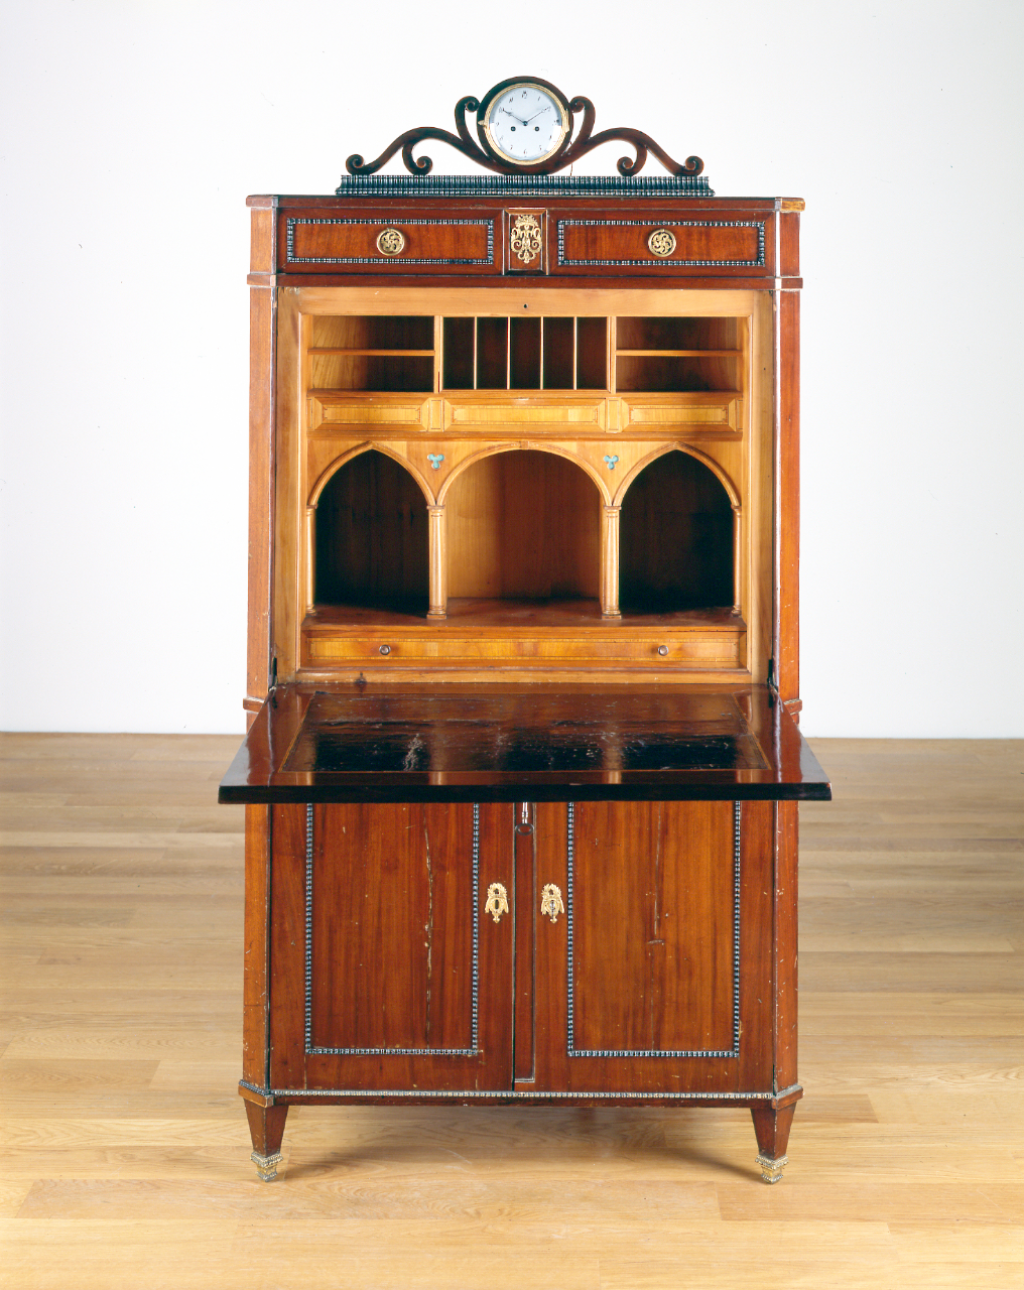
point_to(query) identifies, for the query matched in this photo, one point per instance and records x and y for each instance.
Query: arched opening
(371, 537)
(676, 536)
(524, 525)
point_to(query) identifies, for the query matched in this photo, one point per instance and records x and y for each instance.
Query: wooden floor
(125, 1154)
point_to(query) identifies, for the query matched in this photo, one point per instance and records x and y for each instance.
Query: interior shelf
(421, 354)
(526, 614)
(669, 374)
(372, 352)
(678, 353)
(384, 353)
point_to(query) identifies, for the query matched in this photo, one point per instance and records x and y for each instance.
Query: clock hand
(514, 117)
(536, 114)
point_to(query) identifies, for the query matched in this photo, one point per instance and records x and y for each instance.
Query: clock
(524, 121)
(525, 126)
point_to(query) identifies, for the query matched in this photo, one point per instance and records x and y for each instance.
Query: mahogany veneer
(523, 771)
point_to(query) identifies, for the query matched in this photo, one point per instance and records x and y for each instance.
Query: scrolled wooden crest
(480, 150)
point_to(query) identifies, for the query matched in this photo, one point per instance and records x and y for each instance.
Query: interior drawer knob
(385, 649)
(662, 650)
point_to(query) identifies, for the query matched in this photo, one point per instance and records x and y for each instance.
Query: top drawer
(382, 243)
(667, 245)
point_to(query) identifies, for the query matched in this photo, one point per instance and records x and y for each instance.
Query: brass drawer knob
(385, 649)
(662, 242)
(662, 650)
(391, 242)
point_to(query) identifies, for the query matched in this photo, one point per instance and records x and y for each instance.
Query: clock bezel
(514, 83)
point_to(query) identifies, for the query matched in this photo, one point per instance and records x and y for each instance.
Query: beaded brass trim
(571, 1048)
(771, 1170)
(266, 1166)
(319, 1050)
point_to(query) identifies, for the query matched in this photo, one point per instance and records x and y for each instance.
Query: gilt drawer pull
(661, 242)
(391, 242)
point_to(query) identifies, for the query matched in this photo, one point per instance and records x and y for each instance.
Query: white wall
(134, 131)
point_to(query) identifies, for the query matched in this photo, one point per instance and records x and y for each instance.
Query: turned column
(610, 562)
(310, 558)
(737, 561)
(438, 541)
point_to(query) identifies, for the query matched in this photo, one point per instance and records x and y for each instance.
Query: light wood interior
(369, 352)
(523, 526)
(126, 1159)
(679, 355)
(528, 424)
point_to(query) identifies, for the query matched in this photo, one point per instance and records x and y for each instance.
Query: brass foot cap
(771, 1170)
(266, 1166)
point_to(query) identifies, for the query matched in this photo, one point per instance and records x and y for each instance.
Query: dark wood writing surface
(351, 744)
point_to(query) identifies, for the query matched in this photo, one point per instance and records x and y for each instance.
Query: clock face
(525, 123)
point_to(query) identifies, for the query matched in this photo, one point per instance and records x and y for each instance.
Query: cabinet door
(386, 971)
(657, 979)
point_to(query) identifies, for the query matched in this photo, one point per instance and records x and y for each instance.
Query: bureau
(522, 771)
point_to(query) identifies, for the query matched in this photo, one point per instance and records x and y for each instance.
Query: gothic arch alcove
(523, 525)
(371, 537)
(676, 538)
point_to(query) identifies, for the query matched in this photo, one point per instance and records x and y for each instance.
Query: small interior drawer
(700, 649)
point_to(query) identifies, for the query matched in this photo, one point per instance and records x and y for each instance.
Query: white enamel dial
(525, 123)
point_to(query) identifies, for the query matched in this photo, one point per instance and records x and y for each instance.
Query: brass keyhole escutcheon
(497, 901)
(391, 242)
(662, 242)
(526, 240)
(551, 902)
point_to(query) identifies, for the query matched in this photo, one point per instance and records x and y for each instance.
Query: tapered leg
(772, 1129)
(266, 1124)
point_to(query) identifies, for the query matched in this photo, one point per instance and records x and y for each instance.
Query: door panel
(401, 979)
(396, 931)
(652, 914)
(639, 986)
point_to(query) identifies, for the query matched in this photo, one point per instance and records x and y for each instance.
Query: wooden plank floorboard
(126, 1148)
